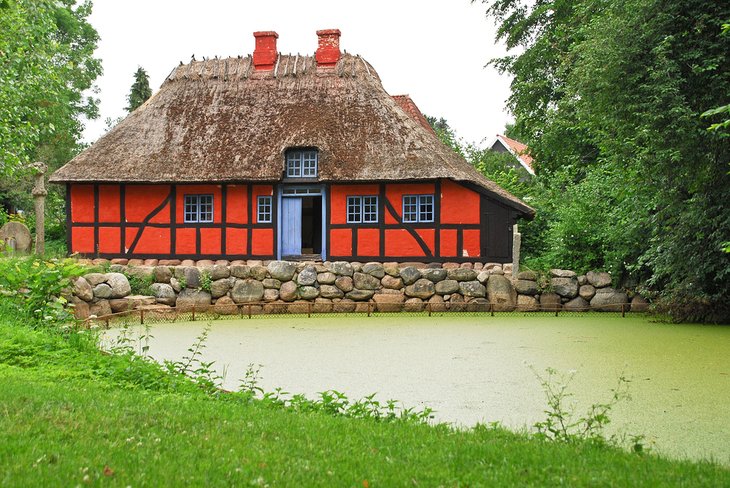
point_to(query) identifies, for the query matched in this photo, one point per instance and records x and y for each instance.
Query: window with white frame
(417, 208)
(301, 163)
(263, 213)
(362, 209)
(198, 208)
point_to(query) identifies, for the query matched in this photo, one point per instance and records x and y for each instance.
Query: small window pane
(354, 209)
(410, 208)
(198, 208)
(370, 209)
(264, 210)
(301, 164)
(425, 208)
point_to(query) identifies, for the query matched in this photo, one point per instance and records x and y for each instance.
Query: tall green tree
(46, 67)
(611, 95)
(140, 91)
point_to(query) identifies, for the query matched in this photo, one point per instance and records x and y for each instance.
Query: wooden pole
(39, 196)
(516, 243)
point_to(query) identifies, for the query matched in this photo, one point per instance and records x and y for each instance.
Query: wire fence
(157, 315)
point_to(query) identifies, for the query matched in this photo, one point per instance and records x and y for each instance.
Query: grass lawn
(70, 415)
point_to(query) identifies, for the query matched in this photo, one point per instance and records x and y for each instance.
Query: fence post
(491, 308)
(193, 313)
(556, 311)
(309, 309)
(106, 319)
(249, 310)
(141, 317)
(623, 310)
(368, 309)
(428, 307)
(240, 310)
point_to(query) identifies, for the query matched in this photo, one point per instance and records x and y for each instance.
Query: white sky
(433, 50)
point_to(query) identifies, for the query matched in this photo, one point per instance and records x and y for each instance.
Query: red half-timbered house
(279, 156)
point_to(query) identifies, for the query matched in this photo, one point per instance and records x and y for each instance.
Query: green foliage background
(609, 95)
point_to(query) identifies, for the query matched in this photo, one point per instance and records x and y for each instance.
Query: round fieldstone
(288, 291)
(322, 305)
(282, 270)
(388, 302)
(462, 274)
(550, 302)
(565, 287)
(577, 304)
(526, 287)
(639, 304)
(364, 281)
(308, 276)
(220, 287)
(392, 282)
(219, 272)
(609, 300)
(246, 291)
(330, 291)
(447, 287)
(422, 288)
(240, 271)
(392, 269)
(563, 273)
(527, 303)
(598, 279)
(414, 305)
(434, 274)
(102, 290)
(119, 285)
(587, 292)
(344, 283)
(410, 275)
(308, 292)
(326, 278)
(271, 283)
(374, 269)
(259, 273)
(95, 278)
(359, 295)
(225, 306)
(162, 274)
(501, 293)
(163, 293)
(83, 289)
(472, 289)
(190, 298)
(271, 294)
(341, 268)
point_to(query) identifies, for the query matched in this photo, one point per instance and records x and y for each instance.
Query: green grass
(71, 415)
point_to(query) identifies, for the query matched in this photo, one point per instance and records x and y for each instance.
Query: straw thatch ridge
(219, 120)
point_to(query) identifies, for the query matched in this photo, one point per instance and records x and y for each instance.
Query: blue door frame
(289, 221)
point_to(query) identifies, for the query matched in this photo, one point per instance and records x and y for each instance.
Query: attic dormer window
(301, 163)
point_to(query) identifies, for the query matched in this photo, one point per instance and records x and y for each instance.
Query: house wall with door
(438, 220)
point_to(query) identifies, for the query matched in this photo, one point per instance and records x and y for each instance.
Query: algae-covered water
(480, 369)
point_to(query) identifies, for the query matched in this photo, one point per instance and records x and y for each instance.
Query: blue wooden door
(291, 226)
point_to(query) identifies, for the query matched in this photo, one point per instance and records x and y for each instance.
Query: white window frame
(362, 209)
(416, 208)
(302, 163)
(264, 209)
(195, 209)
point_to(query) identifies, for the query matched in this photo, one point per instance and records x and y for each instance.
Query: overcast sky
(433, 50)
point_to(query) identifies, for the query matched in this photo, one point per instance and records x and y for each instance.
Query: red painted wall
(151, 204)
(459, 208)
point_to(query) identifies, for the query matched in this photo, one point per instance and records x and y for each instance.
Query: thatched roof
(219, 120)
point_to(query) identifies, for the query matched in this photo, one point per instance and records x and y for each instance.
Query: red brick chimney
(328, 52)
(264, 55)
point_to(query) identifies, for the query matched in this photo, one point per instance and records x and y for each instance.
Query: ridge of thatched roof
(219, 120)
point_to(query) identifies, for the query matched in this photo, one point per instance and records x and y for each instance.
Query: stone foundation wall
(340, 287)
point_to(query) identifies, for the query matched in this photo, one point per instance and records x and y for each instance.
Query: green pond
(481, 369)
